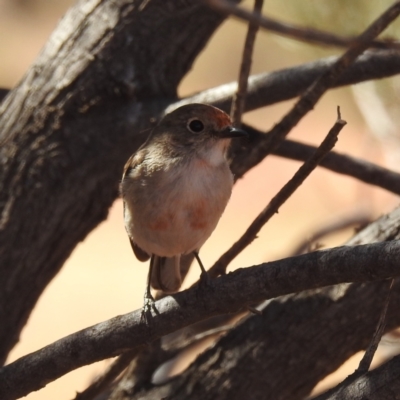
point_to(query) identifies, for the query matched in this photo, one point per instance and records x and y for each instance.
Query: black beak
(231, 132)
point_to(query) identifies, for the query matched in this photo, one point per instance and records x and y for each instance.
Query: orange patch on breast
(198, 216)
(160, 224)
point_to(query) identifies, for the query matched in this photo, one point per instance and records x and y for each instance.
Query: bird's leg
(204, 278)
(148, 303)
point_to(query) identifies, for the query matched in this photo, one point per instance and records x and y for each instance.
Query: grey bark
(298, 341)
(383, 383)
(109, 71)
(228, 294)
(72, 122)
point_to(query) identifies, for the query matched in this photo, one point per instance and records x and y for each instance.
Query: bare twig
(366, 361)
(104, 381)
(272, 208)
(353, 218)
(307, 35)
(360, 169)
(240, 96)
(340, 391)
(308, 100)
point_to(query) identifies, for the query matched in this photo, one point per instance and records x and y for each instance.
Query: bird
(175, 188)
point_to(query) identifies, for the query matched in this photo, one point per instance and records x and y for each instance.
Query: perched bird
(175, 189)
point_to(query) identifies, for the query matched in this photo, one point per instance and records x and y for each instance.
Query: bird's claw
(148, 306)
(205, 280)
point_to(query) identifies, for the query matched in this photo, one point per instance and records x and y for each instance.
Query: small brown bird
(175, 189)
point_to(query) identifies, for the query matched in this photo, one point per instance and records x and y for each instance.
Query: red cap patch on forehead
(222, 119)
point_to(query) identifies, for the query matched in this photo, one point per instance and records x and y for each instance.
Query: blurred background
(103, 279)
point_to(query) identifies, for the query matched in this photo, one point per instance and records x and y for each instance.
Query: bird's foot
(205, 280)
(148, 306)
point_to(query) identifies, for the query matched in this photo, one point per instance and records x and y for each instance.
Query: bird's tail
(166, 273)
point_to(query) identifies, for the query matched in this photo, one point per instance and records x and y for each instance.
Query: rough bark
(69, 126)
(298, 341)
(283, 353)
(231, 293)
(270, 88)
(108, 72)
(383, 383)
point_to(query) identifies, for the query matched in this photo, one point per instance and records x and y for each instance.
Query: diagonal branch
(357, 168)
(273, 87)
(308, 35)
(308, 100)
(382, 383)
(219, 268)
(105, 380)
(238, 101)
(366, 361)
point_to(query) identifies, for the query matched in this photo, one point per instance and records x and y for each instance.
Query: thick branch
(270, 88)
(357, 168)
(227, 294)
(382, 383)
(280, 355)
(345, 315)
(70, 125)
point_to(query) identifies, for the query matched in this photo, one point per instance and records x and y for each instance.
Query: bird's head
(198, 127)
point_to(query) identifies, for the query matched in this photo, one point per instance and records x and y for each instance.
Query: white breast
(175, 212)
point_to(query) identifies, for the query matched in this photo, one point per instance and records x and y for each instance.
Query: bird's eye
(196, 125)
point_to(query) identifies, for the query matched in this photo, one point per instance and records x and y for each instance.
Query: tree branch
(105, 380)
(357, 168)
(227, 294)
(219, 268)
(238, 101)
(343, 314)
(282, 354)
(382, 383)
(72, 122)
(308, 35)
(270, 88)
(312, 95)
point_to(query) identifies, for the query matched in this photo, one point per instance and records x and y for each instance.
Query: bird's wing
(140, 254)
(134, 160)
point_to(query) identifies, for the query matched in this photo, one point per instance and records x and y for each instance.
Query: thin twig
(104, 381)
(238, 100)
(344, 164)
(353, 218)
(311, 96)
(272, 208)
(358, 168)
(307, 35)
(366, 361)
(338, 392)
